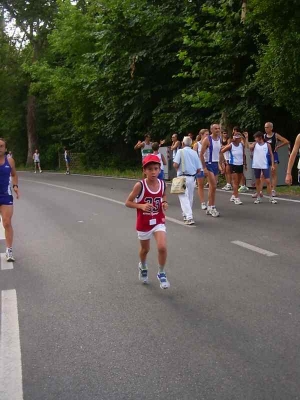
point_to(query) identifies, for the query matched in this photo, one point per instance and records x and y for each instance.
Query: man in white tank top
(211, 165)
(261, 151)
(296, 150)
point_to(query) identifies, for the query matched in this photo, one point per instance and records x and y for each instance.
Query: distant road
(76, 324)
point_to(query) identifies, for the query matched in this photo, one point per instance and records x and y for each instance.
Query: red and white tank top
(146, 221)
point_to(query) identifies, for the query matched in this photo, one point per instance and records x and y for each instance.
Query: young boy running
(149, 198)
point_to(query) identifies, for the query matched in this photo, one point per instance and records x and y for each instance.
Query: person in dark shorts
(8, 176)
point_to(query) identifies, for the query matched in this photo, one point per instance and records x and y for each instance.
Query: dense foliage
(103, 73)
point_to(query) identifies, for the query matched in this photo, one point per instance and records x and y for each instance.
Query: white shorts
(148, 235)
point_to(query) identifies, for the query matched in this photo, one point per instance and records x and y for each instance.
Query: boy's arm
(288, 178)
(272, 156)
(139, 145)
(130, 202)
(251, 146)
(283, 140)
(14, 176)
(205, 145)
(163, 159)
(226, 148)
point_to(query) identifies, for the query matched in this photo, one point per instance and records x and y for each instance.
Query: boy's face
(2, 148)
(258, 139)
(152, 170)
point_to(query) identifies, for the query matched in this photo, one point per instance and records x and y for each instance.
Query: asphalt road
(228, 328)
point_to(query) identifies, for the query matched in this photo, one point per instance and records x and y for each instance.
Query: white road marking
(254, 248)
(175, 221)
(4, 264)
(168, 183)
(11, 387)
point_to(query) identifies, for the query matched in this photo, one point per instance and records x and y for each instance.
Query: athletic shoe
(184, 219)
(9, 256)
(273, 193)
(255, 195)
(258, 200)
(164, 283)
(206, 185)
(208, 210)
(35, 172)
(190, 222)
(41, 171)
(227, 187)
(237, 201)
(214, 212)
(203, 206)
(243, 189)
(232, 198)
(272, 200)
(143, 274)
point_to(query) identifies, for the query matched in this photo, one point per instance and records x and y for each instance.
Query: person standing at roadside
(295, 151)
(187, 163)
(67, 160)
(175, 145)
(210, 159)
(8, 175)
(261, 151)
(200, 176)
(273, 139)
(163, 161)
(36, 161)
(145, 146)
(237, 161)
(225, 142)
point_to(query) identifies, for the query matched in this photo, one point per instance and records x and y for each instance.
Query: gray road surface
(228, 328)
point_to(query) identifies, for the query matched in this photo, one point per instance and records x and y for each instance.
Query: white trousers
(186, 199)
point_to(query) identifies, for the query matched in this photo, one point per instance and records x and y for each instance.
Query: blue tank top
(5, 170)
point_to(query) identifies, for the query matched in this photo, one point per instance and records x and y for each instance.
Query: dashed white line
(11, 387)
(254, 248)
(175, 221)
(4, 264)
(2, 232)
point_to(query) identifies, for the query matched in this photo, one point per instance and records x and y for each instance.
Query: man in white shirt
(187, 163)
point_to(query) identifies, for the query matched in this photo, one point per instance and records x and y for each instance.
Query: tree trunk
(244, 10)
(31, 128)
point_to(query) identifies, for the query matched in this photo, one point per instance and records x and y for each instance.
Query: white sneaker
(243, 189)
(273, 193)
(162, 277)
(203, 206)
(232, 198)
(237, 201)
(227, 187)
(214, 212)
(35, 172)
(41, 171)
(9, 256)
(272, 200)
(190, 222)
(143, 274)
(258, 200)
(208, 210)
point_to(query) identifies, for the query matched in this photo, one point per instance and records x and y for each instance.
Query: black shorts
(236, 169)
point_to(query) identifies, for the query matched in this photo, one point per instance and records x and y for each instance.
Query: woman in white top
(201, 177)
(296, 150)
(236, 161)
(36, 161)
(261, 152)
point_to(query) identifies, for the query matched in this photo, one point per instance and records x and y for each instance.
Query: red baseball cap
(151, 159)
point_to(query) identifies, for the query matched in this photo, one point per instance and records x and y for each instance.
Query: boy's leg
(161, 242)
(160, 237)
(144, 250)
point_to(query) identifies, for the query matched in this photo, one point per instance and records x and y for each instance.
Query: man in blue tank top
(7, 170)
